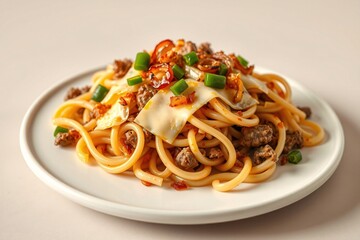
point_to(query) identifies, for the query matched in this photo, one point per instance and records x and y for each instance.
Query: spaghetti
(187, 116)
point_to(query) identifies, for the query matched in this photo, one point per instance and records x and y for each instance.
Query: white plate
(125, 196)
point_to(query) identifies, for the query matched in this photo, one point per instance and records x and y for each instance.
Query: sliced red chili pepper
(160, 49)
(160, 75)
(182, 100)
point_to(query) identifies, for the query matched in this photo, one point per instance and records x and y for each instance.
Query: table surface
(44, 42)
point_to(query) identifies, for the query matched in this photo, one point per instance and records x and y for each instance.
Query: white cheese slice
(166, 122)
(251, 82)
(121, 88)
(115, 116)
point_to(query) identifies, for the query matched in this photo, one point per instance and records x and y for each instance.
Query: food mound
(184, 115)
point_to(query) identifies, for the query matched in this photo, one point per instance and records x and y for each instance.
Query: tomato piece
(160, 75)
(160, 49)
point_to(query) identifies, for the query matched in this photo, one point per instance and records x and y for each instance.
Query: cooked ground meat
(132, 117)
(294, 140)
(256, 136)
(75, 92)
(239, 164)
(185, 159)
(306, 110)
(130, 138)
(224, 58)
(121, 67)
(283, 159)
(205, 48)
(148, 135)
(262, 153)
(241, 153)
(265, 98)
(188, 47)
(275, 136)
(144, 94)
(66, 139)
(214, 152)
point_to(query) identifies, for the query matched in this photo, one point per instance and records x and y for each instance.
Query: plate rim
(166, 216)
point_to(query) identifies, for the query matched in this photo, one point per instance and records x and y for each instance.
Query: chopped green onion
(142, 61)
(179, 87)
(134, 80)
(99, 93)
(59, 129)
(243, 61)
(191, 58)
(223, 69)
(294, 156)
(214, 80)
(178, 71)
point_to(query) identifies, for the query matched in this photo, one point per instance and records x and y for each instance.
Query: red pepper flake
(75, 133)
(102, 147)
(147, 156)
(99, 110)
(240, 113)
(281, 94)
(270, 85)
(280, 125)
(125, 147)
(182, 100)
(179, 186)
(122, 101)
(146, 183)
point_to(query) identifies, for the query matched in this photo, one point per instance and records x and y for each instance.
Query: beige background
(44, 42)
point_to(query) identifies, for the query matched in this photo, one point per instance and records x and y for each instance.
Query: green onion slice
(191, 58)
(59, 129)
(294, 156)
(178, 72)
(134, 80)
(214, 80)
(223, 69)
(179, 87)
(142, 61)
(243, 61)
(99, 93)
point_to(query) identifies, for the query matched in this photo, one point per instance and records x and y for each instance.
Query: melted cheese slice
(251, 82)
(121, 88)
(115, 116)
(166, 122)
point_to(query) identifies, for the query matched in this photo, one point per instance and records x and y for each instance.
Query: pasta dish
(184, 115)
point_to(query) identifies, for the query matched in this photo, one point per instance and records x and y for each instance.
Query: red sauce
(281, 94)
(179, 186)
